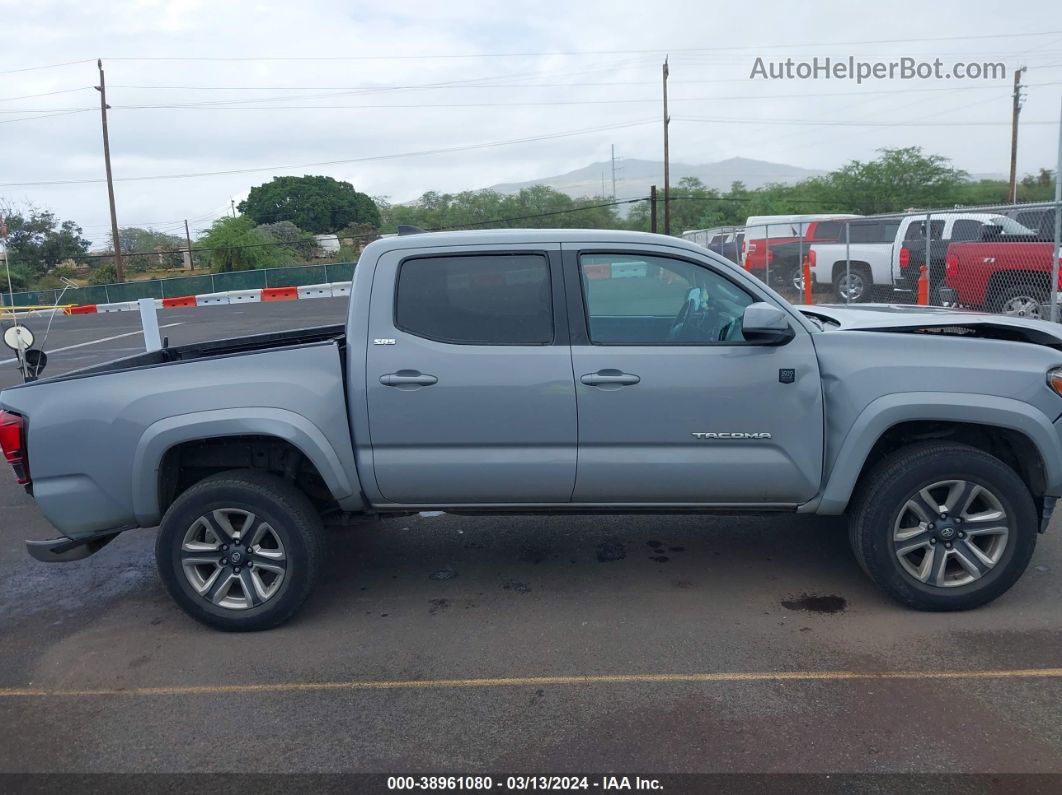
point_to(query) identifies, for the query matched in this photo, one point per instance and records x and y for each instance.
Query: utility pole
(102, 88)
(667, 163)
(233, 203)
(1015, 112)
(652, 209)
(188, 238)
(613, 172)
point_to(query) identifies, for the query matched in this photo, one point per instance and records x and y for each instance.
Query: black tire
(1022, 294)
(293, 524)
(883, 494)
(859, 275)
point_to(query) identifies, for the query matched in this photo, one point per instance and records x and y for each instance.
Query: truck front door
(675, 406)
(471, 397)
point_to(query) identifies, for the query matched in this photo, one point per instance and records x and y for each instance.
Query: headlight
(1054, 380)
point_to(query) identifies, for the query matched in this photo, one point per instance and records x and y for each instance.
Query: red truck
(1009, 274)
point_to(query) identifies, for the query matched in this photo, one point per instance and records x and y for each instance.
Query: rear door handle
(609, 378)
(408, 378)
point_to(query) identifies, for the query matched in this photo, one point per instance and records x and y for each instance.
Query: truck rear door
(469, 377)
(675, 407)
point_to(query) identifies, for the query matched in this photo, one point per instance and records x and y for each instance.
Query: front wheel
(240, 550)
(943, 526)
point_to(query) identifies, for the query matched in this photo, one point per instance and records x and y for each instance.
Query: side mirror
(766, 324)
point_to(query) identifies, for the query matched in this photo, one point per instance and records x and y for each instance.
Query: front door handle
(408, 378)
(609, 378)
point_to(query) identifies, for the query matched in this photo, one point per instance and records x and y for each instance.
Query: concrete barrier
(315, 291)
(122, 306)
(280, 294)
(211, 299)
(245, 296)
(340, 289)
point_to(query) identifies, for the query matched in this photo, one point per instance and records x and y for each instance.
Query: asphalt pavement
(628, 644)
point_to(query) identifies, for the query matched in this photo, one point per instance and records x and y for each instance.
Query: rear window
(917, 230)
(966, 229)
(827, 230)
(493, 299)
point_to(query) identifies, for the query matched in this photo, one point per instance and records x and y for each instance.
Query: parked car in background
(1039, 218)
(1008, 271)
(766, 234)
(787, 270)
(860, 262)
(723, 240)
(947, 229)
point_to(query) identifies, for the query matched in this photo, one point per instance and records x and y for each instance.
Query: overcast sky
(419, 77)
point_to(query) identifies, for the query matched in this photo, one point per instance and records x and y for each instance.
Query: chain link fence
(992, 258)
(179, 286)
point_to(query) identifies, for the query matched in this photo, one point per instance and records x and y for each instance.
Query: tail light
(951, 265)
(905, 257)
(13, 442)
(810, 258)
(770, 256)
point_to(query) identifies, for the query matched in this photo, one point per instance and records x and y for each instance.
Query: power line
(46, 66)
(369, 158)
(46, 93)
(810, 122)
(658, 50)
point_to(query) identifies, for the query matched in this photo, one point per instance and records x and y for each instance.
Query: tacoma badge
(733, 435)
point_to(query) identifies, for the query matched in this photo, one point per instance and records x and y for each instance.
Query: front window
(635, 299)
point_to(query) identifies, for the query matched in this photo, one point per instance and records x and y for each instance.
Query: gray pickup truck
(555, 371)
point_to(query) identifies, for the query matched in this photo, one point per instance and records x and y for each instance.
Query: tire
(860, 285)
(1022, 300)
(881, 512)
(284, 558)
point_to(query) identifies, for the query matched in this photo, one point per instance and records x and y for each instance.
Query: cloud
(598, 63)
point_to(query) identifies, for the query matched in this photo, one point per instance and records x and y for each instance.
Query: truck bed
(212, 349)
(97, 437)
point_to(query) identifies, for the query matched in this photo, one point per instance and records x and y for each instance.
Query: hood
(934, 320)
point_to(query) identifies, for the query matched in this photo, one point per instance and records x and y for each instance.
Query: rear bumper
(64, 550)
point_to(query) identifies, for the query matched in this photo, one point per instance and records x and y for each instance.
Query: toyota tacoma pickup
(555, 372)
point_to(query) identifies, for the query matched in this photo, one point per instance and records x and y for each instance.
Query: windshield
(1010, 226)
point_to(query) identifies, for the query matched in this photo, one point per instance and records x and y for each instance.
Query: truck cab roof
(506, 237)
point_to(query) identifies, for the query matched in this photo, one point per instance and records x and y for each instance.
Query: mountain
(633, 177)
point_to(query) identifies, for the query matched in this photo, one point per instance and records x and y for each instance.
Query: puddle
(817, 603)
(609, 551)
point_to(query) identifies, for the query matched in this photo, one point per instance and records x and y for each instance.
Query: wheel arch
(157, 445)
(1006, 428)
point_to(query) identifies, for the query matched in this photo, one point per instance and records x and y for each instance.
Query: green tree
(536, 207)
(38, 240)
(147, 248)
(236, 245)
(320, 205)
(289, 238)
(897, 180)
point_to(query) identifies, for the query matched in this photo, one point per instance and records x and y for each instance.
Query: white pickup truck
(886, 254)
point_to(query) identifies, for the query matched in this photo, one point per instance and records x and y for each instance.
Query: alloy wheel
(951, 533)
(233, 559)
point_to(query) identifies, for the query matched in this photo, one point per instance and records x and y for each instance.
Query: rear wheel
(943, 526)
(852, 285)
(1022, 300)
(240, 550)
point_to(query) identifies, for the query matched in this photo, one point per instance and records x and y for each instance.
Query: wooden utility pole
(188, 239)
(1015, 112)
(613, 172)
(233, 203)
(667, 162)
(102, 88)
(652, 209)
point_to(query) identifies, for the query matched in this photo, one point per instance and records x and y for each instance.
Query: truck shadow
(798, 560)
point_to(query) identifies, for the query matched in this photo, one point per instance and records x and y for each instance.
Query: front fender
(885, 412)
(337, 468)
